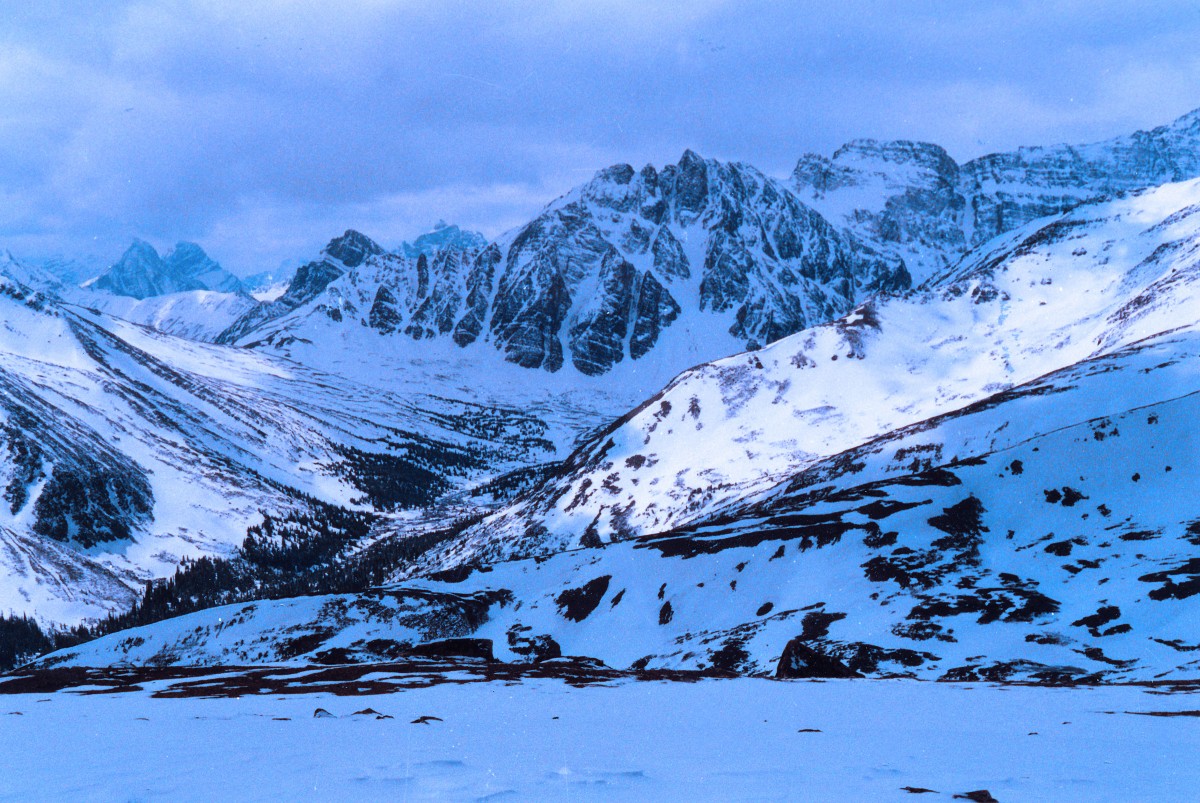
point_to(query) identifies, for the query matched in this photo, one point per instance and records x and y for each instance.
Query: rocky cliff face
(309, 281)
(911, 199)
(189, 262)
(142, 273)
(603, 272)
(608, 269)
(1101, 278)
(903, 197)
(444, 235)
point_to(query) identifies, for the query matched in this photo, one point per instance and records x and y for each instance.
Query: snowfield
(745, 739)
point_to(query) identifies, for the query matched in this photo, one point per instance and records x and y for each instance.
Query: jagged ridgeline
(704, 256)
(911, 199)
(600, 276)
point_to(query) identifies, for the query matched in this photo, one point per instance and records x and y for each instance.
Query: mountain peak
(443, 235)
(352, 248)
(141, 272)
(618, 174)
(187, 249)
(139, 247)
(898, 152)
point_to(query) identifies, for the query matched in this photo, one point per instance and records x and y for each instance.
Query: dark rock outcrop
(799, 660)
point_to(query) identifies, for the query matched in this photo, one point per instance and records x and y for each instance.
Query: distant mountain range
(142, 273)
(891, 415)
(716, 254)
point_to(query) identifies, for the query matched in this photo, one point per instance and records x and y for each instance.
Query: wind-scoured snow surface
(544, 740)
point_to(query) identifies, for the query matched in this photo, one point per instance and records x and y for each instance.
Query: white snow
(541, 739)
(1108, 275)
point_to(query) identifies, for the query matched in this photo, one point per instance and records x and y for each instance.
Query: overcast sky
(260, 129)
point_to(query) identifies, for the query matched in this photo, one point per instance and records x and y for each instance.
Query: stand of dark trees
(316, 550)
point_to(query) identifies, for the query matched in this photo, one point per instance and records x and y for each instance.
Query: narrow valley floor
(543, 738)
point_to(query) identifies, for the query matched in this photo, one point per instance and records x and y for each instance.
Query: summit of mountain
(690, 262)
(913, 200)
(141, 273)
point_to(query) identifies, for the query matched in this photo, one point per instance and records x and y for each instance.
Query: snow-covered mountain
(703, 259)
(443, 235)
(74, 270)
(1037, 535)
(695, 261)
(141, 273)
(193, 314)
(126, 450)
(987, 476)
(1037, 300)
(913, 200)
(269, 285)
(30, 276)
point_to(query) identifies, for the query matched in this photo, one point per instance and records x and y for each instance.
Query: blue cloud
(259, 129)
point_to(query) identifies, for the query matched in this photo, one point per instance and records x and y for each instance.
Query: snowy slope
(196, 314)
(193, 314)
(986, 477)
(126, 450)
(911, 199)
(1038, 534)
(34, 277)
(1037, 300)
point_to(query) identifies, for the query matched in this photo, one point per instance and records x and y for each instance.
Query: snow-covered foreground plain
(723, 739)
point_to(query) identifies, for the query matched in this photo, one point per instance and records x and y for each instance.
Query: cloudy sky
(261, 129)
